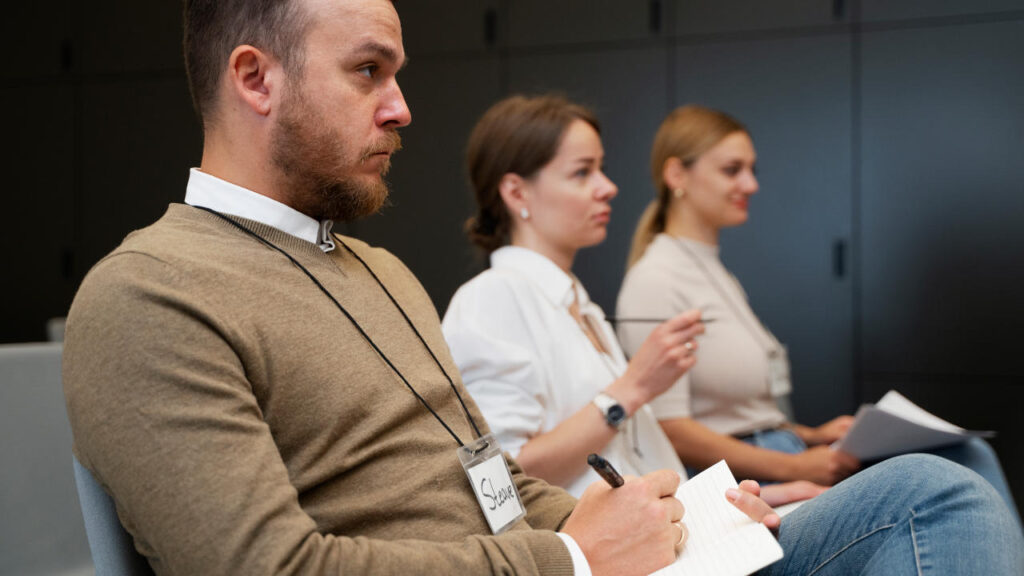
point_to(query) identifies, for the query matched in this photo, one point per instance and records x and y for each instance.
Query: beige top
(243, 426)
(728, 389)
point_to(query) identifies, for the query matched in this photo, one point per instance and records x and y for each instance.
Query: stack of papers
(896, 425)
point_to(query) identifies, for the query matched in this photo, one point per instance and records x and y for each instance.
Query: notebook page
(723, 541)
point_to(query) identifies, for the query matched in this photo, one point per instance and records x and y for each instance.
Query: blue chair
(113, 552)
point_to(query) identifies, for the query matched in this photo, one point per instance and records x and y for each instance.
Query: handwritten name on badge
(496, 493)
(499, 497)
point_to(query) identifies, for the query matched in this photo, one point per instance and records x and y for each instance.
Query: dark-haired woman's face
(722, 180)
(569, 197)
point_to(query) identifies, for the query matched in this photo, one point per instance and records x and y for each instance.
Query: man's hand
(629, 530)
(748, 499)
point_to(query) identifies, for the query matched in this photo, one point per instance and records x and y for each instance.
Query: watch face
(616, 414)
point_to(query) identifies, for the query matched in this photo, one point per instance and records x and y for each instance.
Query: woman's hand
(663, 358)
(827, 433)
(787, 492)
(823, 465)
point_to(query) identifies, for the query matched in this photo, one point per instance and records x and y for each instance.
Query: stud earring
(679, 192)
(525, 213)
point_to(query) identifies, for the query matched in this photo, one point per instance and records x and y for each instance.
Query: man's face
(337, 120)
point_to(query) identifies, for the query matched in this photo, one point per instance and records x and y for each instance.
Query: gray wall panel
(943, 199)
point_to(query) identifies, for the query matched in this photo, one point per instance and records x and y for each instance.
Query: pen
(615, 320)
(605, 470)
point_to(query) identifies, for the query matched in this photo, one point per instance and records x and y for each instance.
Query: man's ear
(253, 77)
(512, 188)
(674, 174)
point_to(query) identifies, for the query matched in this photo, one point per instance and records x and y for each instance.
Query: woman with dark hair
(545, 369)
(702, 164)
(535, 352)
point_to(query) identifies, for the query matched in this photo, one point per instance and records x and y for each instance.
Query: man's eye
(368, 70)
(731, 170)
(582, 173)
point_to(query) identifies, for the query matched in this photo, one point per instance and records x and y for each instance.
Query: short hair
(518, 135)
(214, 28)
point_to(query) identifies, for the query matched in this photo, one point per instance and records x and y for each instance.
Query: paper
(895, 425)
(723, 541)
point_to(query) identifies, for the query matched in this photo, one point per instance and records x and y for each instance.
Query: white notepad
(723, 541)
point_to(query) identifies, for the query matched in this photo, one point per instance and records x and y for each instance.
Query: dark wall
(884, 246)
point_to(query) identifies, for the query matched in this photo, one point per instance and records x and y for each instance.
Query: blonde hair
(686, 133)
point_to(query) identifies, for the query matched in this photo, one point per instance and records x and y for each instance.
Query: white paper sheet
(895, 425)
(723, 541)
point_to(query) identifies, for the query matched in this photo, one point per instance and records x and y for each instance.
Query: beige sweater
(243, 426)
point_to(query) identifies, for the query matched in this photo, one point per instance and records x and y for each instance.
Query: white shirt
(529, 366)
(216, 194)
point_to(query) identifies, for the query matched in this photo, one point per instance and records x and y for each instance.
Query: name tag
(778, 373)
(492, 483)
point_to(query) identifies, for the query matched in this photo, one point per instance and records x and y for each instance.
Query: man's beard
(317, 168)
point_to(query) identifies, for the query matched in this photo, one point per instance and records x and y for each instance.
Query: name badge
(778, 372)
(492, 483)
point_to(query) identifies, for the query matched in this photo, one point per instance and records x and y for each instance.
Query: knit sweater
(242, 424)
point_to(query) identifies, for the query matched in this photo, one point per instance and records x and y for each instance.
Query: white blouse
(529, 366)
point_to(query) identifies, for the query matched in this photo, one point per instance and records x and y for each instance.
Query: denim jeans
(914, 514)
(975, 454)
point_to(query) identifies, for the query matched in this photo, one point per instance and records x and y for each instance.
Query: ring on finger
(688, 345)
(682, 532)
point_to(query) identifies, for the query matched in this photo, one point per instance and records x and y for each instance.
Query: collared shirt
(216, 194)
(211, 192)
(529, 366)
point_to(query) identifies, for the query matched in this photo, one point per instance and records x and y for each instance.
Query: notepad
(723, 541)
(895, 425)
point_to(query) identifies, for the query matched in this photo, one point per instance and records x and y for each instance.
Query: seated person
(260, 396)
(725, 407)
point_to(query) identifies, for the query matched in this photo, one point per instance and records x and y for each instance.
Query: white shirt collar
(553, 282)
(211, 192)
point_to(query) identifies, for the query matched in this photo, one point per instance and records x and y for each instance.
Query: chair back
(113, 552)
(41, 530)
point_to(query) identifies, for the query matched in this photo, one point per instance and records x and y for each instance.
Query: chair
(41, 530)
(113, 552)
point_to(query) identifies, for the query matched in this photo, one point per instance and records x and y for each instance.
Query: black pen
(615, 320)
(605, 470)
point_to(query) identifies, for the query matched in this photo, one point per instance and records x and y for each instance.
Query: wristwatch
(614, 413)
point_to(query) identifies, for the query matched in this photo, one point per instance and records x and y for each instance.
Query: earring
(525, 213)
(679, 192)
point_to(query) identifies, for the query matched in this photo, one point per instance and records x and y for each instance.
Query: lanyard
(360, 328)
(773, 347)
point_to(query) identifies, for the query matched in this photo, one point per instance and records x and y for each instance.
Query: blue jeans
(975, 454)
(914, 514)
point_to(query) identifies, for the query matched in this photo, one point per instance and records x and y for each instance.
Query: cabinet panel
(876, 10)
(128, 36)
(701, 17)
(943, 282)
(430, 200)
(794, 95)
(33, 36)
(35, 228)
(543, 22)
(432, 26)
(138, 141)
(626, 89)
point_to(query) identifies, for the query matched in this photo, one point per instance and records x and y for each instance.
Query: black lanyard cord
(356, 324)
(415, 331)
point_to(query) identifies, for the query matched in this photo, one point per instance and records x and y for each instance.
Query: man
(262, 397)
